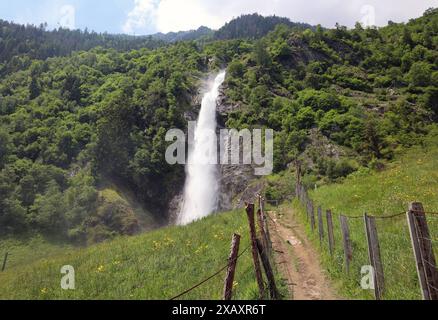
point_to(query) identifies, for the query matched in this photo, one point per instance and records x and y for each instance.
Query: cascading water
(201, 188)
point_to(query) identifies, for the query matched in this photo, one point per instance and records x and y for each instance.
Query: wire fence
(398, 246)
(218, 272)
(260, 245)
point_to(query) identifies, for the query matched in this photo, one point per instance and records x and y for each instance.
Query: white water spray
(201, 189)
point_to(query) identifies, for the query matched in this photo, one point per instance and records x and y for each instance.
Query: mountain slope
(19, 42)
(198, 34)
(338, 99)
(254, 26)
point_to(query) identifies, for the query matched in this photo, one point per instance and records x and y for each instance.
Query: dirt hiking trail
(296, 259)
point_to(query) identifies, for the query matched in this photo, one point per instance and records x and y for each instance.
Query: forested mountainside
(246, 26)
(254, 26)
(78, 131)
(202, 33)
(368, 91)
(20, 44)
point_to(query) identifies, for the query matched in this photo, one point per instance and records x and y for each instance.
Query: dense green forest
(78, 117)
(198, 34)
(20, 44)
(254, 26)
(370, 90)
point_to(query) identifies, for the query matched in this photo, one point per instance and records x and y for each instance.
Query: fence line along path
(422, 244)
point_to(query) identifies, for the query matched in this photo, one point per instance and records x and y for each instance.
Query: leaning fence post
(330, 234)
(320, 226)
(262, 230)
(265, 224)
(4, 261)
(232, 261)
(374, 255)
(423, 251)
(273, 292)
(255, 255)
(346, 241)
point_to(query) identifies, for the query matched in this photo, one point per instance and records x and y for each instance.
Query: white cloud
(177, 15)
(140, 16)
(67, 17)
(56, 13)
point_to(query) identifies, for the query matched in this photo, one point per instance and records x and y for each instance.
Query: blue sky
(149, 16)
(98, 15)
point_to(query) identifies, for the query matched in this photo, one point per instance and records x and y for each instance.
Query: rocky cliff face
(238, 184)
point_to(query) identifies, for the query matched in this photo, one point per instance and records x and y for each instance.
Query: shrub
(236, 69)
(319, 100)
(420, 74)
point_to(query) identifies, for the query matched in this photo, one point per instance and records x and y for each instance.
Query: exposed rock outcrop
(236, 181)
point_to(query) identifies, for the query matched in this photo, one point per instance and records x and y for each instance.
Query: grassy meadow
(413, 177)
(155, 265)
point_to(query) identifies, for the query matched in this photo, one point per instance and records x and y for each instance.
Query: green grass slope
(413, 177)
(156, 265)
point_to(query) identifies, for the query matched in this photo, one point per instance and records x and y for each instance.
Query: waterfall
(202, 186)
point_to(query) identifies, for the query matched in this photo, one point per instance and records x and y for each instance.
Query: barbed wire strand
(430, 264)
(395, 215)
(361, 216)
(391, 216)
(431, 286)
(208, 278)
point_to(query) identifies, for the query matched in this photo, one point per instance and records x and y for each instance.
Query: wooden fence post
(346, 241)
(300, 195)
(306, 204)
(265, 225)
(308, 209)
(330, 234)
(268, 233)
(298, 179)
(273, 292)
(312, 215)
(232, 261)
(4, 261)
(374, 255)
(261, 225)
(255, 255)
(423, 251)
(320, 226)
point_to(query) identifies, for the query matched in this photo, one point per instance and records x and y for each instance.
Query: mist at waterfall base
(202, 185)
